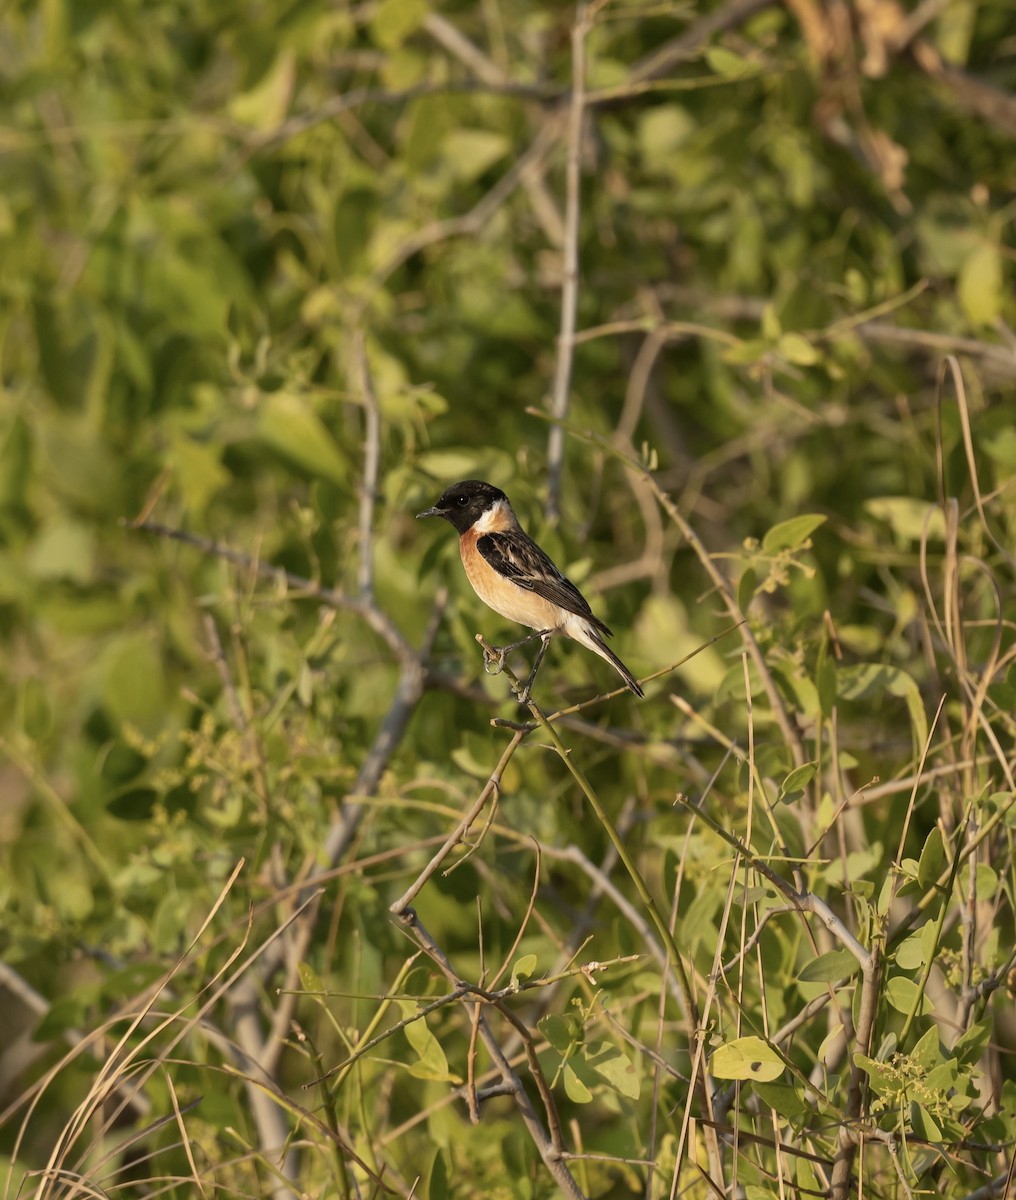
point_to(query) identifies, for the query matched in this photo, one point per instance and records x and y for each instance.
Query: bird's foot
(522, 695)
(495, 657)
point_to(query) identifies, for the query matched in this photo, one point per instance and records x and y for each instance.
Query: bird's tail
(590, 637)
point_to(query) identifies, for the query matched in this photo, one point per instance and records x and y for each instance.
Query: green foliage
(252, 253)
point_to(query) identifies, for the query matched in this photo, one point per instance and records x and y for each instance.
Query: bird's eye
(462, 500)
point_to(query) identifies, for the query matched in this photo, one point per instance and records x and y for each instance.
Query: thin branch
(371, 466)
(723, 586)
(640, 926)
(686, 46)
(450, 38)
(867, 326)
(398, 907)
(471, 223)
(560, 396)
(800, 900)
(454, 41)
(378, 621)
(358, 97)
(261, 1048)
(548, 1145)
(870, 962)
(992, 104)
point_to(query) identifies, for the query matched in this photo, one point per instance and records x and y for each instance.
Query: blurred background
(251, 249)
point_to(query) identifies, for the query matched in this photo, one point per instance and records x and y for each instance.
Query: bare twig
(992, 104)
(800, 900)
(261, 1048)
(452, 39)
(870, 962)
(865, 325)
(723, 586)
(560, 396)
(358, 97)
(378, 621)
(371, 466)
(688, 44)
(951, 366)
(398, 907)
(472, 222)
(548, 1144)
(640, 926)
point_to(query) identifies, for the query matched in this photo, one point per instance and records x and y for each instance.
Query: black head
(464, 503)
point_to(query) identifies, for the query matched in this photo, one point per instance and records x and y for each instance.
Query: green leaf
(79, 466)
(431, 1061)
(882, 1078)
(771, 327)
(523, 969)
(746, 586)
(830, 1040)
(798, 780)
(264, 106)
(662, 130)
(288, 424)
(979, 285)
(65, 1013)
(923, 1124)
(438, 1186)
(828, 967)
(910, 520)
(464, 757)
(134, 804)
(133, 687)
(197, 470)
(747, 1058)
(986, 882)
(36, 711)
(807, 1178)
(616, 1068)
(825, 684)
(901, 993)
(15, 462)
(393, 21)
(746, 897)
(932, 861)
(471, 152)
(793, 533)
(928, 1051)
(310, 981)
(797, 349)
(910, 953)
(64, 549)
(559, 1031)
(746, 353)
(728, 64)
(574, 1088)
(786, 1099)
(1001, 448)
(865, 680)
(972, 1044)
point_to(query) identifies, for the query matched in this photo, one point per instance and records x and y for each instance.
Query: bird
(518, 580)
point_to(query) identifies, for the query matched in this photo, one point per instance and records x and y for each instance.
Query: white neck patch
(496, 517)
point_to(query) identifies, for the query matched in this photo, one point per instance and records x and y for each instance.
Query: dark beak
(429, 512)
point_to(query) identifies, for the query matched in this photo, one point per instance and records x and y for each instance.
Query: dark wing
(517, 557)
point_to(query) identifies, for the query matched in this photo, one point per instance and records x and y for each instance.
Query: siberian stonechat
(511, 574)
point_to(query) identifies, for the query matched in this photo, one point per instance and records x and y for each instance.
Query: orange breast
(504, 597)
